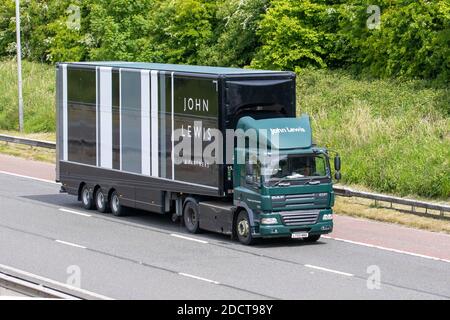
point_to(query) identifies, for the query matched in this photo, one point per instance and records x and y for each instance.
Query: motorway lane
(137, 257)
(373, 233)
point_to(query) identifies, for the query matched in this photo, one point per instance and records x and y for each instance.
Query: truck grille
(298, 201)
(299, 218)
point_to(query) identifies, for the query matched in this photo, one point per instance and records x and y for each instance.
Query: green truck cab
(290, 194)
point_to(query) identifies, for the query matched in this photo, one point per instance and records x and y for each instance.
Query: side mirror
(249, 179)
(337, 175)
(337, 163)
(337, 167)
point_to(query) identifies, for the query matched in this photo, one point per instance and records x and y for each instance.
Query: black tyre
(101, 201)
(190, 216)
(312, 238)
(243, 228)
(86, 198)
(116, 207)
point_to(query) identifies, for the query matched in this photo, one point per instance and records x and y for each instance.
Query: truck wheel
(101, 201)
(312, 238)
(190, 216)
(116, 208)
(243, 228)
(86, 198)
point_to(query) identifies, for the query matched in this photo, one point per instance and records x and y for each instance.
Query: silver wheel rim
(100, 199)
(243, 228)
(86, 196)
(115, 203)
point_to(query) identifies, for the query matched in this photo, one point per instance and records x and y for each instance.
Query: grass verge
(393, 135)
(28, 152)
(364, 208)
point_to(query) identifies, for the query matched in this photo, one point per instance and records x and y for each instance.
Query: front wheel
(243, 228)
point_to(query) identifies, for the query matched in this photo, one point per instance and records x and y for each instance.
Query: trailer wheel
(86, 198)
(243, 228)
(312, 238)
(101, 201)
(116, 208)
(190, 216)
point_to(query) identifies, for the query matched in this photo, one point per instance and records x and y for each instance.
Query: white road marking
(70, 244)
(50, 281)
(388, 249)
(329, 270)
(28, 177)
(75, 212)
(198, 278)
(187, 238)
(326, 237)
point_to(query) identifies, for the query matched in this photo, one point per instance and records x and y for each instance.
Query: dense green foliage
(38, 96)
(394, 91)
(394, 136)
(412, 40)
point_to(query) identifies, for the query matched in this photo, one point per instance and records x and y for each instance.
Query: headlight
(269, 221)
(327, 217)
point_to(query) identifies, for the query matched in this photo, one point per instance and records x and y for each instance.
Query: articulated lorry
(219, 148)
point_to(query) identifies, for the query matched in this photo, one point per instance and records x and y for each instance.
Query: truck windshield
(290, 168)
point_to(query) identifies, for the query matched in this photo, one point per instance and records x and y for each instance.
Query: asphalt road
(147, 256)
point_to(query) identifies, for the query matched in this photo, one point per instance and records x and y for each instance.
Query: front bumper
(281, 230)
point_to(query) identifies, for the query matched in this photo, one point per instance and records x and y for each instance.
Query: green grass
(393, 136)
(38, 96)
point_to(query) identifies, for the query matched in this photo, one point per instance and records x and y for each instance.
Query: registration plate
(299, 235)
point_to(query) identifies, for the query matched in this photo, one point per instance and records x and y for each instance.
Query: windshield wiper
(310, 181)
(280, 181)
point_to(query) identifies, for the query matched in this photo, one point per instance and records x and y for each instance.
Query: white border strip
(154, 124)
(145, 123)
(173, 126)
(64, 113)
(97, 116)
(120, 118)
(105, 109)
